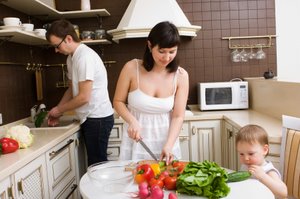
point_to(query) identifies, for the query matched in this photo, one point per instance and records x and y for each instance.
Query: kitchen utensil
(268, 74)
(110, 176)
(12, 21)
(28, 26)
(100, 34)
(147, 149)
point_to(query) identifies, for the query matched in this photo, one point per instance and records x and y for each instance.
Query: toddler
(253, 146)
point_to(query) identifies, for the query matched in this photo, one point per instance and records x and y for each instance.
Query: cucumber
(238, 176)
(40, 118)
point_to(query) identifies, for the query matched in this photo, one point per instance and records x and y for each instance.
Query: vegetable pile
(203, 179)
(20, 133)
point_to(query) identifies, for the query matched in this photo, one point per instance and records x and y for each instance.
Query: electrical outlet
(1, 119)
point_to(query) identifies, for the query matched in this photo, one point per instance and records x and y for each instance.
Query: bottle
(85, 5)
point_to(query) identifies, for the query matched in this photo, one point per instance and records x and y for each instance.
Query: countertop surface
(90, 189)
(44, 140)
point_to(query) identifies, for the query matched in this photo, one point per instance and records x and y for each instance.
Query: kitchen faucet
(34, 112)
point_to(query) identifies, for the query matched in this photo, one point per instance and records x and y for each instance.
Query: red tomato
(163, 175)
(155, 181)
(179, 166)
(170, 182)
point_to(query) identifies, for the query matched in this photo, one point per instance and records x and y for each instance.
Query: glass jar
(87, 35)
(100, 34)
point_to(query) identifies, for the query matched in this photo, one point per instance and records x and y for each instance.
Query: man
(87, 93)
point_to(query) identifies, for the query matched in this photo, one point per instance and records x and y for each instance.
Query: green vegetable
(238, 176)
(203, 179)
(40, 118)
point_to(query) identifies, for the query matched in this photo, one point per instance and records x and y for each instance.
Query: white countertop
(46, 139)
(238, 190)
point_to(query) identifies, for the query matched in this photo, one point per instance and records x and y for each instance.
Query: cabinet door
(184, 141)
(70, 192)
(60, 166)
(205, 141)
(230, 158)
(6, 189)
(31, 180)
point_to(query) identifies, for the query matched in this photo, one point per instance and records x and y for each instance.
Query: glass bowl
(110, 175)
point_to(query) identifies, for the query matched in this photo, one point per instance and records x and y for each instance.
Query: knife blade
(147, 149)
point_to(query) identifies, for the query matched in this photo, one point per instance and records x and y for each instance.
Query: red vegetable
(8, 145)
(172, 196)
(144, 173)
(170, 182)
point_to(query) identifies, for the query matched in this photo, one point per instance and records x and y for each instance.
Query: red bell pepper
(144, 173)
(8, 145)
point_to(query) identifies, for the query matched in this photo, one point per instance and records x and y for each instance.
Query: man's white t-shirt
(86, 64)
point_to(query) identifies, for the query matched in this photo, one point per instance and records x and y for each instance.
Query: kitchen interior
(226, 26)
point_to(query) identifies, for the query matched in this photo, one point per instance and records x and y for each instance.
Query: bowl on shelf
(110, 176)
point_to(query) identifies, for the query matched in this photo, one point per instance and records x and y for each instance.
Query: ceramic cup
(11, 21)
(28, 26)
(40, 31)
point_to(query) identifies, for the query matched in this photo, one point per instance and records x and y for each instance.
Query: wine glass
(251, 54)
(260, 54)
(244, 56)
(235, 56)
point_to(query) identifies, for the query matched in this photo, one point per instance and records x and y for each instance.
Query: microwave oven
(223, 95)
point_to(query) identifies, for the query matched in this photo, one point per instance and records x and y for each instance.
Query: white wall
(288, 40)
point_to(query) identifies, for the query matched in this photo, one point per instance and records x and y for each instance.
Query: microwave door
(218, 96)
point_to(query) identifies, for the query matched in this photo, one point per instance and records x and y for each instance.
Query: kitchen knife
(147, 149)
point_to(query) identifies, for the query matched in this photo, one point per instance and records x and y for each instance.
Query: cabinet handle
(184, 138)
(73, 188)
(55, 153)
(109, 152)
(10, 192)
(194, 130)
(230, 133)
(20, 186)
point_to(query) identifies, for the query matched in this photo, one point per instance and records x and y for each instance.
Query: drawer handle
(73, 188)
(184, 138)
(55, 153)
(20, 186)
(10, 192)
(109, 152)
(194, 130)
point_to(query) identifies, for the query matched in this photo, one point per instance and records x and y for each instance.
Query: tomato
(156, 168)
(170, 182)
(155, 181)
(179, 166)
(144, 173)
(163, 175)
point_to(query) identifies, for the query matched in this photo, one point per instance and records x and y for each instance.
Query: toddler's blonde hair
(252, 134)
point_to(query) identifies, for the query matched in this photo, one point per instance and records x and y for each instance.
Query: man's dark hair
(61, 28)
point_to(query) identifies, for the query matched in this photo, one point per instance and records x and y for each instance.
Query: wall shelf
(23, 37)
(43, 11)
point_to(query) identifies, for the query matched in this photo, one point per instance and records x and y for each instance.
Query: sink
(65, 122)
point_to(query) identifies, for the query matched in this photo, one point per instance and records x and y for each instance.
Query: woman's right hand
(134, 131)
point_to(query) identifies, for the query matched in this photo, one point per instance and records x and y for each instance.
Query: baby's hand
(257, 171)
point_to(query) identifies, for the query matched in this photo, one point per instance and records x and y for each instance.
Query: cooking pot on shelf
(100, 34)
(87, 35)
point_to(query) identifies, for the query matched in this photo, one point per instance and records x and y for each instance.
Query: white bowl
(110, 176)
(40, 31)
(28, 26)
(12, 21)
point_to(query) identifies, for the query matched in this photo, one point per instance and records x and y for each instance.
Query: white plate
(11, 27)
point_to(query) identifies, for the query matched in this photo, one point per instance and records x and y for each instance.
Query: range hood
(141, 15)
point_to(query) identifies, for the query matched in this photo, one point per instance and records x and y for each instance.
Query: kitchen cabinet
(114, 142)
(205, 141)
(41, 10)
(60, 166)
(31, 180)
(6, 188)
(230, 157)
(184, 141)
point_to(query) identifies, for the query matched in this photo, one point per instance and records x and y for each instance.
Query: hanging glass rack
(249, 46)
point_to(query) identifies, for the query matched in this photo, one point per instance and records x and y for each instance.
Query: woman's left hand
(167, 155)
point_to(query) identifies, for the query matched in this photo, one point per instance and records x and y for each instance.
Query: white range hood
(141, 15)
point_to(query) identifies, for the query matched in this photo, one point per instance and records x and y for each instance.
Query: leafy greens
(203, 179)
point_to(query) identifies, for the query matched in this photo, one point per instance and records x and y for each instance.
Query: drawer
(113, 151)
(70, 192)
(116, 133)
(60, 166)
(184, 130)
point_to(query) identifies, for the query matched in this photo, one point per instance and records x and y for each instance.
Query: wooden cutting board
(39, 84)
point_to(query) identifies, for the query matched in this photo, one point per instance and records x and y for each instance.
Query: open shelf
(43, 11)
(23, 37)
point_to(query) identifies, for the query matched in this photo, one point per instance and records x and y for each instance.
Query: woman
(156, 90)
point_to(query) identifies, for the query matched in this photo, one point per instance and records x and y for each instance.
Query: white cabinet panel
(5, 188)
(205, 141)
